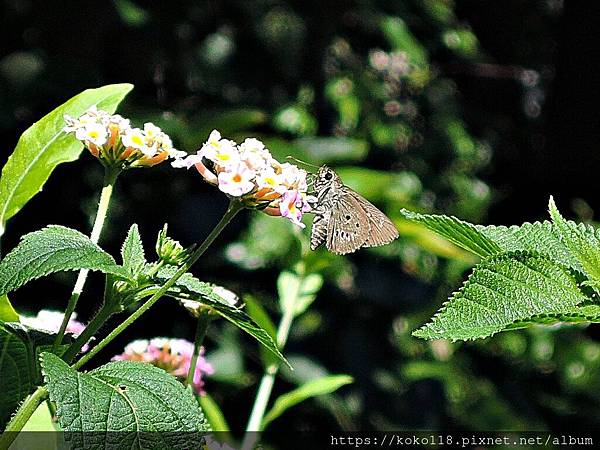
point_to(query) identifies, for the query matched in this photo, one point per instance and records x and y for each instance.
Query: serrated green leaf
(297, 292)
(460, 233)
(580, 240)
(538, 237)
(53, 249)
(314, 388)
(589, 313)
(502, 290)
(44, 145)
(189, 287)
(485, 241)
(19, 370)
(146, 406)
(7, 312)
(132, 251)
(16, 373)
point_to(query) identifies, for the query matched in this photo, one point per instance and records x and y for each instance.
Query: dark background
(518, 88)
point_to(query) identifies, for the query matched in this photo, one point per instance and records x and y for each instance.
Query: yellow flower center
(93, 134)
(137, 140)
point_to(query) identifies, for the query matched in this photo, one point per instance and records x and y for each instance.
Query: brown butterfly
(344, 220)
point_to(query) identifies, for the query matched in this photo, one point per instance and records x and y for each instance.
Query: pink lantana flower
(293, 205)
(249, 173)
(172, 355)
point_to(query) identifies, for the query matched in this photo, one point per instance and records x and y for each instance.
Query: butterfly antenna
(302, 162)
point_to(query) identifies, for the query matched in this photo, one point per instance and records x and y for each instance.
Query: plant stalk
(232, 210)
(23, 414)
(201, 327)
(110, 178)
(92, 327)
(267, 381)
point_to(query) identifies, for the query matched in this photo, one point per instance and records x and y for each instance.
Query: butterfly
(344, 220)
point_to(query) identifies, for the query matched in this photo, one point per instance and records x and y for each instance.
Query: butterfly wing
(348, 226)
(382, 230)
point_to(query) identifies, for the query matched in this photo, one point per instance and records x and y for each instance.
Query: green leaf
(540, 237)
(40, 432)
(401, 39)
(260, 316)
(132, 251)
(41, 420)
(256, 311)
(148, 407)
(7, 312)
(53, 249)
(460, 233)
(581, 241)
(297, 292)
(503, 290)
(213, 413)
(589, 313)
(320, 150)
(44, 145)
(227, 121)
(189, 287)
(131, 14)
(380, 186)
(19, 370)
(16, 373)
(485, 241)
(321, 386)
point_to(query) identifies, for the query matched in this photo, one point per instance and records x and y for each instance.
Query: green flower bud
(169, 250)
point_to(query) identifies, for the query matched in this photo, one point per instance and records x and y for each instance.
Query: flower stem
(201, 326)
(266, 383)
(23, 414)
(268, 380)
(232, 210)
(92, 327)
(110, 178)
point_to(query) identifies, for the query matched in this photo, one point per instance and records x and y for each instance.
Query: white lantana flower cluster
(249, 172)
(112, 139)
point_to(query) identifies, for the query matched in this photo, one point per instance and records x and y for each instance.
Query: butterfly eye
(328, 176)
